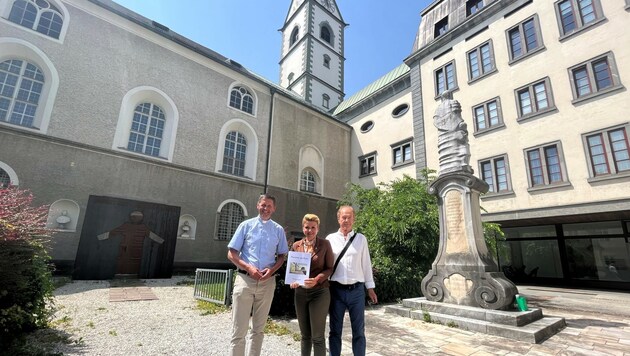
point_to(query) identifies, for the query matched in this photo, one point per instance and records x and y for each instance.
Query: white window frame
(5, 10)
(311, 158)
(251, 158)
(250, 92)
(305, 182)
(13, 177)
(130, 101)
(13, 48)
(218, 217)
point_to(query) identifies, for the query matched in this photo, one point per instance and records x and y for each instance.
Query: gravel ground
(171, 325)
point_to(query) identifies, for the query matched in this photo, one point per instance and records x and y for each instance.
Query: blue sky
(379, 36)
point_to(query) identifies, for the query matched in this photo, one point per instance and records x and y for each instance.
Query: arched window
(295, 34)
(308, 181)
(147, 129)
(234, 154)
(242, 99)
(38, 15)
(230, 216)
(7, 176)
(310, 170)
(21, 86)
(326, 61)
(324, 34)
(4, 178)
(326, 101)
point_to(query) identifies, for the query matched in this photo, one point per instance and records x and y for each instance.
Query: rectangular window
(597, 75)
(495, 172)
(441, 27)
(608, 151)
(573, 15)
(545, 165)
(488, 115)
(445, 78)
(524, 39)
(472, 6)
(367, 164)
(534, 99)
(402, 153)
(480, 61)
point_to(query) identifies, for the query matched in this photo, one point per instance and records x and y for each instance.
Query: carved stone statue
(453, 148)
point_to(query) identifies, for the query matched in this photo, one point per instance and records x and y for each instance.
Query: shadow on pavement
(583, 323)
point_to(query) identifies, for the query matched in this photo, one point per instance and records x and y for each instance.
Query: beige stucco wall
(566, 124)
(296, 126)
(387, 130)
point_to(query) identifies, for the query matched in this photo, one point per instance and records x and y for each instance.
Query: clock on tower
(329, 5)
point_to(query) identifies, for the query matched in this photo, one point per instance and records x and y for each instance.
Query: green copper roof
(373, 88)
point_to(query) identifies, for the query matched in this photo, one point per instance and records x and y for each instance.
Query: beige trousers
(250, 298)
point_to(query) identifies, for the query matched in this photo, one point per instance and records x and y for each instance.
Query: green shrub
(401, 222)
(25, 277)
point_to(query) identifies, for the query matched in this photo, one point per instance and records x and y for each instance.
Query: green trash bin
(521, 302)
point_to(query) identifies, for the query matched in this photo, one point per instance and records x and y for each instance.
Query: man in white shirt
(348, 284)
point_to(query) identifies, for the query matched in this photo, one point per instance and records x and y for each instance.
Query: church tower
(312, 58)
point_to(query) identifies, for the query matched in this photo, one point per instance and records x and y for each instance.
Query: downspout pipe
(273, 94)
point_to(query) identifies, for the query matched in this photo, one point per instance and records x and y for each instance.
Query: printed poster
(298, 267)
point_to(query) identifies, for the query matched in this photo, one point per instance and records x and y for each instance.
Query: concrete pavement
(598, 323)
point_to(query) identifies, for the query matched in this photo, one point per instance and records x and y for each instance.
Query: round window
(367, 126)
(400, 110)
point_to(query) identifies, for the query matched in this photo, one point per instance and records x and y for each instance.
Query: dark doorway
(126, 237)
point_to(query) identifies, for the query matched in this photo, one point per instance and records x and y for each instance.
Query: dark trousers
(311, 306)
(352, 300)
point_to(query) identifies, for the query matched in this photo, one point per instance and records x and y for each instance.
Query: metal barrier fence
(214, 285)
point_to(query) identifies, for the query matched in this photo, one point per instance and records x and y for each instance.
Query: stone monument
(463, 272)
(464, 287)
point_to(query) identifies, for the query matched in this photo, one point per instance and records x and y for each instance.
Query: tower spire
(312, 56)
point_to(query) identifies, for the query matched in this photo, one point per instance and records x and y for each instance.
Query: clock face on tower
(329, 5)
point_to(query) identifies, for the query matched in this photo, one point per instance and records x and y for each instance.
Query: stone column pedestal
(463, 272)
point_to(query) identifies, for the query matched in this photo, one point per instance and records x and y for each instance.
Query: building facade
(134, 117)
(542, 85)
(100, 124)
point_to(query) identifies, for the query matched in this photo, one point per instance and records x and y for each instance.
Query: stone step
(533, 332)
(514, 318)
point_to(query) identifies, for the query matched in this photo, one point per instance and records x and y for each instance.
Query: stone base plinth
(529, 326)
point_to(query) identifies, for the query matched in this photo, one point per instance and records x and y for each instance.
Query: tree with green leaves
(401, 221)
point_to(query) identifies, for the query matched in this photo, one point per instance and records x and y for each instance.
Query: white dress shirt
(355, 265)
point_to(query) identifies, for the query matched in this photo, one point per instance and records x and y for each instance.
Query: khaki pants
(250, 298)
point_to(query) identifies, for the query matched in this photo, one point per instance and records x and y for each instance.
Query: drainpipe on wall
(273, 93)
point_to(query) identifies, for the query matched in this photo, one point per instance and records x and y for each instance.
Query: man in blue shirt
(258, 248)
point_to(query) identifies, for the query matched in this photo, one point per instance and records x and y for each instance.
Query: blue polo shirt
(259, 241)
